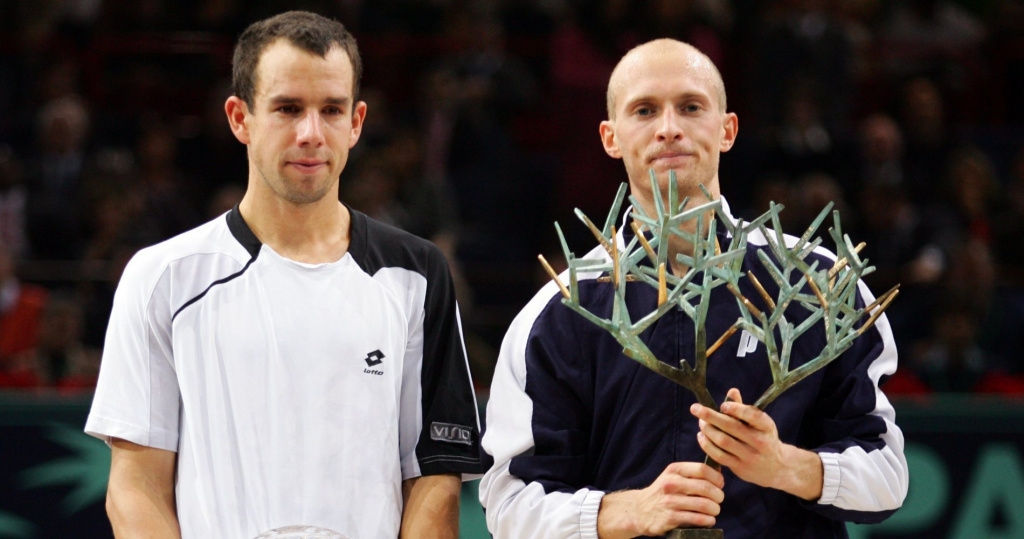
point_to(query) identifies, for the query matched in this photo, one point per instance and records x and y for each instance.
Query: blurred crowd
(482, 131)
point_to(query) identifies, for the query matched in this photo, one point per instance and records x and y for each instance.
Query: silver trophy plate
(301, 532)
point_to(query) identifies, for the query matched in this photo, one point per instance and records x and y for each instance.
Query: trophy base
(696, 533)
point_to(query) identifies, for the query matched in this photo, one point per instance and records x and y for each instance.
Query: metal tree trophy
(829, 294)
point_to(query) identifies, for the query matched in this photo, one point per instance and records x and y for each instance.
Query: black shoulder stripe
(241, 231)
(213, 284)
(375, 245)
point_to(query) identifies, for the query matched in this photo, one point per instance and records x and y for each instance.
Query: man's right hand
(686, 494)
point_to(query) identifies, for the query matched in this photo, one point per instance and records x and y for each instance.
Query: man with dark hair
(307, 31)
(588, 443)
(291, 362)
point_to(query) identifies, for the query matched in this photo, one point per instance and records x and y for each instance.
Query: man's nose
(310, 130)
(669, 125)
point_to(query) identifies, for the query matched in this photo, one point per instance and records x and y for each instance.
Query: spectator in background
(490, 87)
(698, 22)
(54, 181)
(952, 361)
(813, 192)
(114, 217)
(803, 199)
(955, 357)
(803, 142)
(430, 208)
(438, 105)
(481, 88)
(1008, 227)
(928, 142)
(975, 340)
(98, 295)
(584, 47)
(890, 224)
(167, 193)
(962, 212)
(372, 189)
(390, 185)
(21, 305)
(935, 38)
(1004, 328)
(859, 20)
(112, 206)
(59, 359)
(891, 227)
(972, 195)
(804, 45)
(931, 29)
(982, 268)
(929, 248)
(13, 196)
(880, 158)
(213, 158)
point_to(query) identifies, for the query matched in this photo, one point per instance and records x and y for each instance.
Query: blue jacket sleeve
(549, 439)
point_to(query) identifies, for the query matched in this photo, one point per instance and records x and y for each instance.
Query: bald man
(587, 443)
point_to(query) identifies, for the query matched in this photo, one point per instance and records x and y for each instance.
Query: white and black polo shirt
(293, 393)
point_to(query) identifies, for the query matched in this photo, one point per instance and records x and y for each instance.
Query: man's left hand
(745, 439)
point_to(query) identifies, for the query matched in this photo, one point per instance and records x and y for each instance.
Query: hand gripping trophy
(827, 295)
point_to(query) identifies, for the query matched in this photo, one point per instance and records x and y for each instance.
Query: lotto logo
(374, 358)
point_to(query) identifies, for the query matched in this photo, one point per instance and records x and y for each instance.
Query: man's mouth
(669, 157)
(308, 165)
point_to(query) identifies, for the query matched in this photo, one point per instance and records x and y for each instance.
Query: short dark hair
(308, 31)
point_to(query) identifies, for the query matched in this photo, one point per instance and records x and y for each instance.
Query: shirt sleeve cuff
(588, 514)
(830, 484)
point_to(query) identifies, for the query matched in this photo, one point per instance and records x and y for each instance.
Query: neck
(313, 233)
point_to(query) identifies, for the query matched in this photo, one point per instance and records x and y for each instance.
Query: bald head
(642, 54)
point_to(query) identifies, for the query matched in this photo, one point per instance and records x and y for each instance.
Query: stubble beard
(290, 192)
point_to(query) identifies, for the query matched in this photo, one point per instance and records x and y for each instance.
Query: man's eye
(332, 111)
(288, 109)
(644, 111)
(692, 108)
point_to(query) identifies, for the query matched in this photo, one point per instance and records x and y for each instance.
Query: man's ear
(238, 117)
(731, 123)
(358, 117)
(611, 146)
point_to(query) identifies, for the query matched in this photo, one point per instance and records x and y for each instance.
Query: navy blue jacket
(571, 418)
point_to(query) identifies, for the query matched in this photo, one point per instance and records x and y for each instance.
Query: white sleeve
(513, 507)
(863, 481)
(137, 397)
